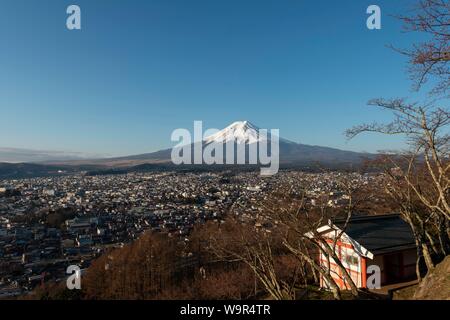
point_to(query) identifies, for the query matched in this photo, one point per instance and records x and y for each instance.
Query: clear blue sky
(139, 69)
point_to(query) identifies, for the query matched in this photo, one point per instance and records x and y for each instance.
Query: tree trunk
(344, 272)
(433, 244)
(322, 272)
(427, 256)
(419, 256)
(444, 240)
(333, 286)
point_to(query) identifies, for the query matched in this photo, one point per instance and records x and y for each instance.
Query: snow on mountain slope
(240, 132)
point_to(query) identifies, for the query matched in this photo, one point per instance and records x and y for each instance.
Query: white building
(385, 241)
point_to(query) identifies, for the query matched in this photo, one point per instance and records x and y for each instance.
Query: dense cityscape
(47, 224)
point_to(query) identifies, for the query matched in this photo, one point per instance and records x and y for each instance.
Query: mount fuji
(240, 132)
(244, 132)
(292, 155)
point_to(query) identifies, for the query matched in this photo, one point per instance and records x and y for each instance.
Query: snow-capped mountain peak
(239, 131)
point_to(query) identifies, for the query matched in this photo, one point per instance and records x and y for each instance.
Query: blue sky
(139, 69)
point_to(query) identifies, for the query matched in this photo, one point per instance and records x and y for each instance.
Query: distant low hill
(30, 170)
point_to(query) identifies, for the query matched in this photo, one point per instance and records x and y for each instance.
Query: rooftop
(379, 234)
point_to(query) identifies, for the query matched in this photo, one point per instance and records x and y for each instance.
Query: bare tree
(419, 178)
(237, 241)
(430, 58)
(304, 235)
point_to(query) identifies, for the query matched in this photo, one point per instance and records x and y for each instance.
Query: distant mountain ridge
(241, 132)
(244, 132)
